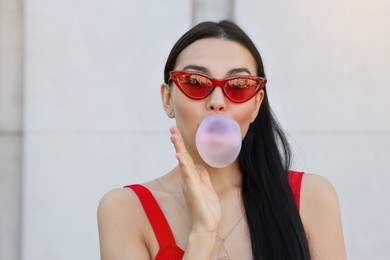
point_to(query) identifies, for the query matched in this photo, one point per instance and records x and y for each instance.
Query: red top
(168, 248)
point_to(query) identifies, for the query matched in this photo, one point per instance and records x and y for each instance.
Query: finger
(185, 161)
(181, 150)
(177, 140)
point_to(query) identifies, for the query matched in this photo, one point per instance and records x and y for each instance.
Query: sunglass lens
(196, 86)
(241, 90)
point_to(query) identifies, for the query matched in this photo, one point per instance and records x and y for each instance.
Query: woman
(254, 208)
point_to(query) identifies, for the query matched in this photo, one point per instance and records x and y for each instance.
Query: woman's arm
(121, 222)
(320, 213)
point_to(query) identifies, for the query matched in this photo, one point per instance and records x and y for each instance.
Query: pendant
(223, 253)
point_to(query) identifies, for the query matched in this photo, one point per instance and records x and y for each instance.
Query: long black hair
(275, 227)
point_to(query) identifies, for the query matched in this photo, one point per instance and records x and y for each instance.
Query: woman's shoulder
(320, 213)
(120, 205)
(123, 199)
(123, 226)
(316, 187)
(317, 193)
(319, 201)
(118, 197)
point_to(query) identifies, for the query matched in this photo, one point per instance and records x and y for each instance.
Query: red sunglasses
(238, 89)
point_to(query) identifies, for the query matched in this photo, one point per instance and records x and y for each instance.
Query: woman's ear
(166, 100)
(258, 100)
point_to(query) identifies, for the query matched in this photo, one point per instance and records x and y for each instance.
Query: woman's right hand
(201, 198)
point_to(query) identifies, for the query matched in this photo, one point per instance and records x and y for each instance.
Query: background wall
(327, 63)
(11, 127)
(93, 118)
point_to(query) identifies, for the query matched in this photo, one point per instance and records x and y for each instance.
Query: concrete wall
(93, 118)
(11, 118)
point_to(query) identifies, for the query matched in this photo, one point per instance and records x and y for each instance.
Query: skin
(206, 202)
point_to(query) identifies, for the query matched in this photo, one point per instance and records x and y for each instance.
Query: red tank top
(168, 248)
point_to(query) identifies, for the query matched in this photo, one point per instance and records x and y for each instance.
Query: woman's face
(218, 58)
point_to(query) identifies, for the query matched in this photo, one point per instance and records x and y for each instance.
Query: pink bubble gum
(218, 140)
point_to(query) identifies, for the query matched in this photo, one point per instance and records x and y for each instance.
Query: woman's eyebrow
(206, 71)
(238, 70)
(197, 68)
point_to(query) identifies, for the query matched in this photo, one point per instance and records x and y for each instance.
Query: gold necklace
(223, 252)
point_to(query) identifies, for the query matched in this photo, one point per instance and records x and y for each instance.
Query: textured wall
(212, 10)
(94, 120)
(11, 104)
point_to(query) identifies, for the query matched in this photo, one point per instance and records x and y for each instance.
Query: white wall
(93, 115)
(94, 120)
(327, 64)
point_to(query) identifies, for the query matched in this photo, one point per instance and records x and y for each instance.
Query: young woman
(254, 208)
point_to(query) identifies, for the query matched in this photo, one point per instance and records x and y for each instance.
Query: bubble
(218, 140)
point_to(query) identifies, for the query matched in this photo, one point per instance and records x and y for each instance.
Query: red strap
(295, 180)
(155, 215)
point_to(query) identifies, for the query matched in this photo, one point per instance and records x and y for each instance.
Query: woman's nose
(216, 100)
